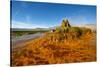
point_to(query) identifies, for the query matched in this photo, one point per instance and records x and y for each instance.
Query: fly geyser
(66, 44)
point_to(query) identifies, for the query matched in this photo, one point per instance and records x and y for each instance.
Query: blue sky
(44, 15)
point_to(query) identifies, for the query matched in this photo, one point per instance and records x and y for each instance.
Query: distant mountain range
(91, 26)
(26, 29)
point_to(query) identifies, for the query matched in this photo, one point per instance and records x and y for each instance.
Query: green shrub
(64, 29)
(75, 32)
(85, 30)
(58, 30)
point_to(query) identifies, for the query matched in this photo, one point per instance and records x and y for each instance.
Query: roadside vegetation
(20, 33)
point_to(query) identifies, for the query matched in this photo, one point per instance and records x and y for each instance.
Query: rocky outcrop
(65, 23)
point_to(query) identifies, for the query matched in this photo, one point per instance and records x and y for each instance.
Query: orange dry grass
(50, 49)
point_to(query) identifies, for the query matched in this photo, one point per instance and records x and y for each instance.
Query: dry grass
(56, 48)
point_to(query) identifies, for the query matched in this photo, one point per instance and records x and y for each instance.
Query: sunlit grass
(75, 45)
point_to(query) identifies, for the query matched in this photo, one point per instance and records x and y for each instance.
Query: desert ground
(65, 44)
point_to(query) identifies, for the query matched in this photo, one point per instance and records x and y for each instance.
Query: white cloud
(18, 24)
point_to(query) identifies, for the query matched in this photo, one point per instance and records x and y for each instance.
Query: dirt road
(22, 39)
